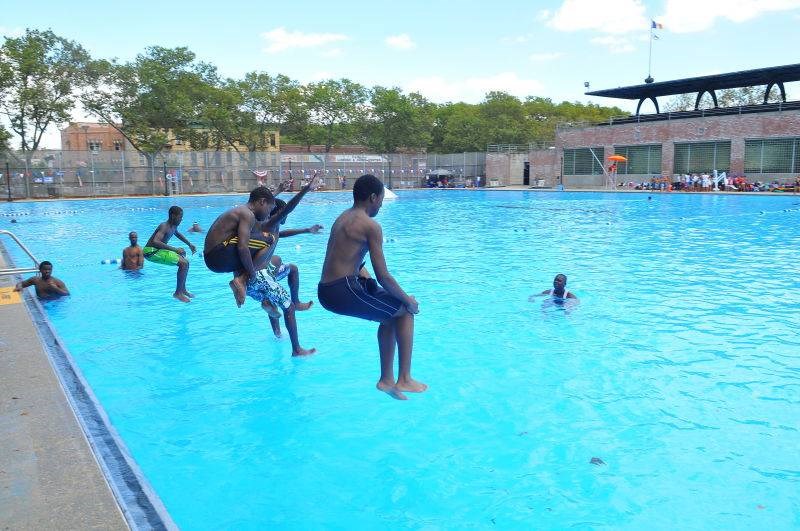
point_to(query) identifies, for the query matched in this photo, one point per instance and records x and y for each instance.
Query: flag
(656, 25)
(655, 37)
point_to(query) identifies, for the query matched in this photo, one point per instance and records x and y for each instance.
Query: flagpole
(649, 78)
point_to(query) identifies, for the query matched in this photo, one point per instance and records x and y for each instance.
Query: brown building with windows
(90, 136)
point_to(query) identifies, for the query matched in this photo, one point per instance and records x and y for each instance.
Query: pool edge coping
(138, 502)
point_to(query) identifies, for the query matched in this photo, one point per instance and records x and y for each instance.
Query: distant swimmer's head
(261, 202)
(368, 191)
(559, 283)
(175, 215)
(279, 204)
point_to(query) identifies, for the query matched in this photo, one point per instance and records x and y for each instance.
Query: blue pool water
(680, 368)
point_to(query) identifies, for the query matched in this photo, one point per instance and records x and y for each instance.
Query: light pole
(91, 158)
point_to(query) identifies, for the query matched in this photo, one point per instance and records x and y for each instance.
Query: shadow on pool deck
(50, 477)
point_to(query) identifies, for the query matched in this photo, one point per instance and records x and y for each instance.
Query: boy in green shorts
(158, 251)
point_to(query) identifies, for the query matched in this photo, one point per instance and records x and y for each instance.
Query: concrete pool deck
(49, 477)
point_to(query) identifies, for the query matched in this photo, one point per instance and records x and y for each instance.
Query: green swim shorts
(161, 256)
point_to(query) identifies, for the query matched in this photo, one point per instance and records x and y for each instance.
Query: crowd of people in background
(706, 182)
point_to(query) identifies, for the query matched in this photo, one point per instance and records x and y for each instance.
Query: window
(642, 160)
(272, 140)
(583, 161)
(117, 145)
(94, 145)
(700, 157)
(772, 155)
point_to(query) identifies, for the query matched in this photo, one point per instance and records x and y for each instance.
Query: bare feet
(411, 385)
(181, 297)
(303, 306)
(190, 295)
(303, 352)
(391, 390)
(237, 286)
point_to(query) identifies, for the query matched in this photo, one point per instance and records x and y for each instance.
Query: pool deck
(49, 477)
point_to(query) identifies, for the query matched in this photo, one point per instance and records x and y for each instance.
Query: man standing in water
(231, 245)
(132, 257)
(347, 289)
(46, 285)
(158, 251)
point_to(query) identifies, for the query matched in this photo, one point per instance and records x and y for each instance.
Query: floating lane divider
(111, 261)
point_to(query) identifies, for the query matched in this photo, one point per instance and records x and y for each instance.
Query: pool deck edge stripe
(132, 494)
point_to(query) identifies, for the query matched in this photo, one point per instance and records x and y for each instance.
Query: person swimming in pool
(195, 227)
(46, 285)
(232, 245)
(132, 257)
(346, 288)
(559, 291)
(158, 251)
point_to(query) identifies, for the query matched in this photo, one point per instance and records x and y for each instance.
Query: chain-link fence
(60, 174)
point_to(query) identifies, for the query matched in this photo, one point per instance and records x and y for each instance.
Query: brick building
(91, 136)
(761, 142)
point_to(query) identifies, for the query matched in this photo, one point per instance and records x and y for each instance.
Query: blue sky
(448, 51)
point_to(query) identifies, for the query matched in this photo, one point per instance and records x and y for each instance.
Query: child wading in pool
(347, 289)
(158, 251)
(559, 291)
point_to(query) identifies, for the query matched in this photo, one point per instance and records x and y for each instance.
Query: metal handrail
(18, 270)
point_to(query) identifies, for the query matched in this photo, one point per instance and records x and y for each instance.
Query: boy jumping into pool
(347, 289)
(264, 286)
(231, 245)
(158, 251)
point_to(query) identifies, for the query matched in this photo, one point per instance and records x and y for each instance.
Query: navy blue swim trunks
(358, 297)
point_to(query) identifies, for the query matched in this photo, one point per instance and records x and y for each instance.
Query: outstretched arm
(290, 206)
(24, 284)
(313, 229)
(382, 275)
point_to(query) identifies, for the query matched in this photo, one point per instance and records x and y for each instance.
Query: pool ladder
(19, 270)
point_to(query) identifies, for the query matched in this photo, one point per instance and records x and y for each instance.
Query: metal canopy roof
(746, 78)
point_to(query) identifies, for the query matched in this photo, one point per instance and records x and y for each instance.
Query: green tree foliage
(159, 94)
(397, 121)
(335, 104)
(40, 75)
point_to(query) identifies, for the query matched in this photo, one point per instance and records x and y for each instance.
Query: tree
(334, 103)
(40, 74)
(269, 102)
(396, 120)
(155, 98)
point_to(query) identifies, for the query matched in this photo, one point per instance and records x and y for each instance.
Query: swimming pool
(680, 368)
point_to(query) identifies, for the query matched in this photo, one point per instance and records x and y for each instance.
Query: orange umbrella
(617, 158)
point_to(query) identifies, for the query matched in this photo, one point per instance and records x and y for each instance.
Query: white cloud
(279, 39)
(400, 42)
(544, 14)
(333, 53)
(545, 56)
(518, 39)
(615, 44)
(12, 33)
(473, 89)
(609, 16)
(687, 16)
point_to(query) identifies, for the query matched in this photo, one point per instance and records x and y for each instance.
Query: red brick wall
(735, 128)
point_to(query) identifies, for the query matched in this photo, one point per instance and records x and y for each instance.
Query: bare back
(163, 233)
(347, 245)
(226, 226)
